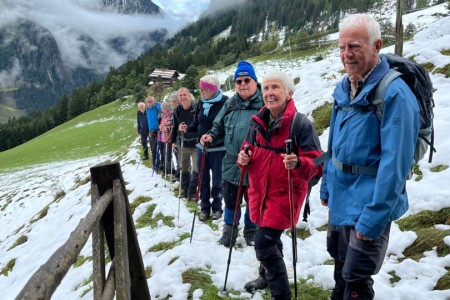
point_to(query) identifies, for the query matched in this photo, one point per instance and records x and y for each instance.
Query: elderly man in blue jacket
(364, 181)
(153, 109)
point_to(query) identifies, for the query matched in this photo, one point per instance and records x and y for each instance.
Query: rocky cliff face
(40, 60)
(132, 6)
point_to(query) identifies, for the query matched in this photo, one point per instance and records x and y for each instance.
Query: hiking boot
(203, 216)
(226, 239)
(217, 215)
(254, 285)
(249, 235)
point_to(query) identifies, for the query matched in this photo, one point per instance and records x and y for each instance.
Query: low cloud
(9, 77)
(88, 37)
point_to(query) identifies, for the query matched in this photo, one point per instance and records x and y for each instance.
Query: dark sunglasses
(239, 81)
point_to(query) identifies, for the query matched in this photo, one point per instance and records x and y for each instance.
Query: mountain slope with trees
(34, 68)
(255, 28)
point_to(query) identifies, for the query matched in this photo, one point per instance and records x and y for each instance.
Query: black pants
(355, 262)
(153, 140)
(144, 141)
(269, 252)
(230, 192)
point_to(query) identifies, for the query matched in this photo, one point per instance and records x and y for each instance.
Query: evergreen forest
(254, 30)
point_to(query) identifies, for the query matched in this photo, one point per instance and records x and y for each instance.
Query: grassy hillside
(104, 130)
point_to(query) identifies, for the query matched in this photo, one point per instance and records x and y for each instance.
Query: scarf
(207, 103)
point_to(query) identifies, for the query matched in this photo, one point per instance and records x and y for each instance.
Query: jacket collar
(342, 92)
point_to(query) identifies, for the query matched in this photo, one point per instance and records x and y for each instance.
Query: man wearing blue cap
(231, 126)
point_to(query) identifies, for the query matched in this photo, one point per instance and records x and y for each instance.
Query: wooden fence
(108, 220)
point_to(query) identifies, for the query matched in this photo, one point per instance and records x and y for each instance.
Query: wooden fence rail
(109, 219)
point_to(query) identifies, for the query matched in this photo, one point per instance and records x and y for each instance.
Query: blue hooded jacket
(152, 116)
(359, 138)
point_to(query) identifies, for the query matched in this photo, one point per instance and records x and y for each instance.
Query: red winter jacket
(268, 177)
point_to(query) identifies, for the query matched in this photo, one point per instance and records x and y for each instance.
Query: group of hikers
(252, 133)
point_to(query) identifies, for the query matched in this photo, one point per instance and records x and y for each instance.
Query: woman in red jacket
(267, 165)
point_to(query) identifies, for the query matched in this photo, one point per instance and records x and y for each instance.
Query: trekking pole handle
(246, 147)
(288, 146)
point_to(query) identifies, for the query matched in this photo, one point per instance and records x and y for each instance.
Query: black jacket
(187, 116)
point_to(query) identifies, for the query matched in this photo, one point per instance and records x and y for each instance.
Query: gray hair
(211, 79)
(140, 104)
(364, 21)
(284, 78)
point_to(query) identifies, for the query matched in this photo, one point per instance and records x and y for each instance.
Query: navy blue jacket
(142, 123)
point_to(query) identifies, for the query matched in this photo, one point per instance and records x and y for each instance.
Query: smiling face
(184, 96)
(358, 55)
(245, 86)
(275, 97)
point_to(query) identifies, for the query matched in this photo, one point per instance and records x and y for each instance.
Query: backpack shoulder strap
(296, 124)
(380, 90)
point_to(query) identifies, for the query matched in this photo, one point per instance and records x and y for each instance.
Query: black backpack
(297, 123)
(418, 80)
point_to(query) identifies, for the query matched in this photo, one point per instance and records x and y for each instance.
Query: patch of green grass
(445, 52)
(425, 219)
(329, 262)
(427, 236)
(9, 267)
(439, 168)
(138, 201)
(394, 278)
(427, 239)
(22, 240)
(173, 260)
(85, 282)
(87, 135)
(147, 219)
(303, 233)
(308, 290)
(322, 117)
(85, 292)
(41, 215)
(164, 246)
(444, 70)
(444, 282)
(429, 67)
(418, 172)
(323, 228)
(81, 260)
(199, 279)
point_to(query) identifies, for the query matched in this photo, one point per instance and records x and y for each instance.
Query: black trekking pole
(157, 160)
(181, 171)
(200, 175)
(236, 213)
(291, 212)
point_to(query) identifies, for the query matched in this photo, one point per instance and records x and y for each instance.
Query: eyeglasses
(245, 80)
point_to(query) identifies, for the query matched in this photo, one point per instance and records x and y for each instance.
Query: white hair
(364, 21)
(211, 79)
(284, 78)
